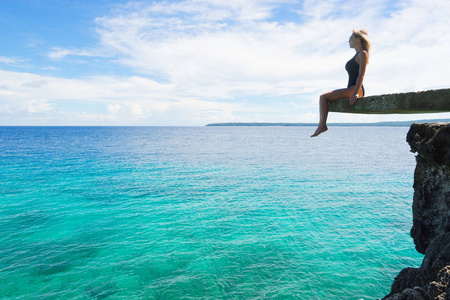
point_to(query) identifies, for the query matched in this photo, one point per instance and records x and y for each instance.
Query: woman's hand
(353, 99)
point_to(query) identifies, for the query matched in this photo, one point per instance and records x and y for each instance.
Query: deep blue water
(204, 212)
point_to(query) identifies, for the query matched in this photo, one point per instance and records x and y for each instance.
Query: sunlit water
(204, 212)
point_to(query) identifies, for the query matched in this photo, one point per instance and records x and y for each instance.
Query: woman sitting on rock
(356, 67)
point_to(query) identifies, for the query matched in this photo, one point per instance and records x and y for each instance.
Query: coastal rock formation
(431, 216)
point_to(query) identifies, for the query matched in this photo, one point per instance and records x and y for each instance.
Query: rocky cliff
(431, 216)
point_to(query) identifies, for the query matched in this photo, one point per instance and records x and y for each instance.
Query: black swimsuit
(352, 68)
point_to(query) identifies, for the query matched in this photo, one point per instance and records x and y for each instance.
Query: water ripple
(203, 213)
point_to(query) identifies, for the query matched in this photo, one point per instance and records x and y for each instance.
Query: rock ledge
(432, 101)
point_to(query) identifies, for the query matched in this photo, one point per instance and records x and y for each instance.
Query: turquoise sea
(204, 212)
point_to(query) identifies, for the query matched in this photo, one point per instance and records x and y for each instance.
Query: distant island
(386, 124)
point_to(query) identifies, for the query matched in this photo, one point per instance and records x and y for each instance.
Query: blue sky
(193, 62)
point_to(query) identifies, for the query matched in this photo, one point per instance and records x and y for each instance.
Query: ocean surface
(204, 212)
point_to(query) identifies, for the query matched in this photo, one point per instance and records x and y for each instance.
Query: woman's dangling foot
(319, 130)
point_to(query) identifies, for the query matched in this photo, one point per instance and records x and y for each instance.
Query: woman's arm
(362, 60)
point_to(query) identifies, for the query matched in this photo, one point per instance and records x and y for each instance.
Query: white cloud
(118, 101)
(194, 44)
(34, 84)
(208, 56)
(10, 60)
(202, 61)
(57, 52)
(113, 108)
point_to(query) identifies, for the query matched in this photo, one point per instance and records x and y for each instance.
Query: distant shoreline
(381, 124)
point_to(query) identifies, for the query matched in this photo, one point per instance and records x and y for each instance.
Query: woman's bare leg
(323, 107)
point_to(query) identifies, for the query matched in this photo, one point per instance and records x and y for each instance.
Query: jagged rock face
(431, 206)
(439, 287)
(431, 216)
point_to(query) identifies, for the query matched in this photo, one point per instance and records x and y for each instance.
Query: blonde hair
(363, 36)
